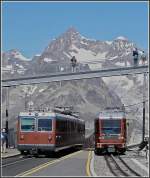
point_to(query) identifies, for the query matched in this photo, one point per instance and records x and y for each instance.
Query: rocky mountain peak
(14, 54)
(72, 30)
(71, 34)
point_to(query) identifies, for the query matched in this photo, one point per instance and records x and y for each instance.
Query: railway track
(17, 165)
(119, 167)
(15, 160)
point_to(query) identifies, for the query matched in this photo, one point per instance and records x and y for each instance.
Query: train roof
(114, 114)
(50, 114)
(69, 117)
(36, 113)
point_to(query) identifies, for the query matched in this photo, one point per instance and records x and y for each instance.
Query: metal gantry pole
(25, 100)
(7, 113)
(144, 97)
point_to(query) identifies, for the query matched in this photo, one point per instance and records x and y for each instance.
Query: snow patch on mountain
(84, 55)
(85, 38)
(32, 90)
(18, 55)
(120, 64)
(7, 68)
(112, 58)
(30, 103)
(20, 66)
(108, 42)
(84, 42)
(128, 64)
(121, 38)
(119, 82)
(41, 90)
(68, 55)
(20, 71)
(47, 60)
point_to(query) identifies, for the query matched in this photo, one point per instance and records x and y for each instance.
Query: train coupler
(34, 151)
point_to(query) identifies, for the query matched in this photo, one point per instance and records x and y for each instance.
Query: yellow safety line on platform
(33, 170)
(88, 172)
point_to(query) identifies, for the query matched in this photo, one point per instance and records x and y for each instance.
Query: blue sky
(30, 26)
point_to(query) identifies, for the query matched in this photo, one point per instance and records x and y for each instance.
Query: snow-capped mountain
(95, 53)
(13, 62)
(90, 54)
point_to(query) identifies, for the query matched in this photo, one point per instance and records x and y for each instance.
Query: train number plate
(111, 149)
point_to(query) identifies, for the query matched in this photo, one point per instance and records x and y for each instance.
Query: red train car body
(46, 132)
(110, 131)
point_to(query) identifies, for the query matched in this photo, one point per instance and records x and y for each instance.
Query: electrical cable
(136, 103)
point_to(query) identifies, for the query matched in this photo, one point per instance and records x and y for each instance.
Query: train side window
(70, 126)
(74, 126)
(65, 125)
(61, 125)
(58, 125)
(78, 127)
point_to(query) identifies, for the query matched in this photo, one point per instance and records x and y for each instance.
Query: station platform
(10, 152)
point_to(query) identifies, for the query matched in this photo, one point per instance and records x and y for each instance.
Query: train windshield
(27, 124)
(44, 124)
(111, 127)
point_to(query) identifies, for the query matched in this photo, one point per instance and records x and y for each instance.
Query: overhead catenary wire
(136, 103)
(135, 112)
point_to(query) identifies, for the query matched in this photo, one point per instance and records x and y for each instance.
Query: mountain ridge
(95, 94)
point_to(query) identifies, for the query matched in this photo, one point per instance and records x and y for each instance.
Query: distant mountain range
(88, 96)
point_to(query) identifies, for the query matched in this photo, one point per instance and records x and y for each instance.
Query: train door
(125, 130)
(97, 131)
(59, 132)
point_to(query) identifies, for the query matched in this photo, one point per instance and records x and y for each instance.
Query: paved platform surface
(10, 152)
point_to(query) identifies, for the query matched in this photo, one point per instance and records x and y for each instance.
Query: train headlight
(49, 138)
(102, 137)
(22, 137)
(121, 137)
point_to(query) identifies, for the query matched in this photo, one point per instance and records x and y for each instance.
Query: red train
(47, 132)
(110, 131)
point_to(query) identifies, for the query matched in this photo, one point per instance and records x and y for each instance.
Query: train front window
(44, 124)
(111, 127)
(27, 124)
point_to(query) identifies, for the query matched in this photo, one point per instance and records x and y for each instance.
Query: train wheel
(80, 147)
(122, 151)
(25, 153)
(51, 154)
(37, 153)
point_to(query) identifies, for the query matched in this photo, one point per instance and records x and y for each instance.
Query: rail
(133, 145)
(116, 168)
